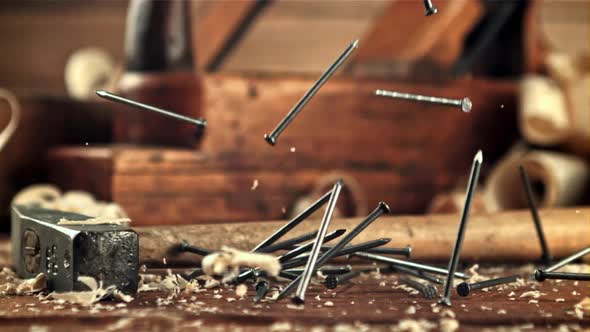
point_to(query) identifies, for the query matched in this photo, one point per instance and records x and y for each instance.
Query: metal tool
(112, 97)
(541, 275)
(464, 288)
(429, 8)
(454, 261)
(411, 265)
(310, 267)
(332, 281)
(274, 135)
(406, 251)
(109, 253)
(299, 297)
(464, 104)
(428, 291)
(526, 182)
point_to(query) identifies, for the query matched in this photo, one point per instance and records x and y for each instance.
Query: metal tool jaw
(108, 253)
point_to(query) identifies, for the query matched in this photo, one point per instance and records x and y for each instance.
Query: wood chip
(94, 221)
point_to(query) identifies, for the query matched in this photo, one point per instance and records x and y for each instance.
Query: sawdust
(87, 298)
(241, 291)
(50, 197)
(413, 325)
(534, 294)
(16, 286)
(448, 325)
(328, 304)
(582, 308)
(254, 184)
(228, 262)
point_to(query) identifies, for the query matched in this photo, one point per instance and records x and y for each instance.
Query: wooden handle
(501, 237)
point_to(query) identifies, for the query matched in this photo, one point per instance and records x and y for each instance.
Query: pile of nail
(314, 255)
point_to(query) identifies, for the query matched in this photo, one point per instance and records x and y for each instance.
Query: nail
(306, 247)
(348, 250)
(185, 247)
(568, 260)
(327, 270)
(418, 274)
(261, 289)
(464, 104)
(332, 281)
(541, 275)
(291, 254)
(407, 251)
(428, 291)
(310, 266)
(109, 96)
(274, 135)
(463, 289)
(429, 8)
(411, 265)
(294, 222)
(473, 177)
(545, 256)
(288, 243)
(301, 287)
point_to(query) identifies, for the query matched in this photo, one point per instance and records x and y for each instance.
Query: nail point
(479, 157)
(430, 11)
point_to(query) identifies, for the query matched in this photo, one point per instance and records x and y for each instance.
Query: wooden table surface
(371, 301)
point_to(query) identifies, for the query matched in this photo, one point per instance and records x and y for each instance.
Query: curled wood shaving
(94, 221)
(582, 308)
(411, 310)
(16, 286)
(241, 291)
(50, 197)
(227, 263)
(413, 325)
(448, 325)
(85, 298)
(534, 294)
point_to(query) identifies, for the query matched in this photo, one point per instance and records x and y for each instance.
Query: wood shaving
(448, 325)
(534, 294)
(85, 298)
(533, 301)
(94, 221)
(281, 326)
(254, 184)
(474, 275)
(582, 308)
(241, 291)
(502, 312)
(16, 286)
(328, 304)
(228, 262)
(295, 306)
(447, 313)
(560, 300)
(410, 310)
(483, 307)
(50, 197)
(412, 325)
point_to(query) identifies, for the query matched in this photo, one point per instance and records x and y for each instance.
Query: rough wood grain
(500, 237)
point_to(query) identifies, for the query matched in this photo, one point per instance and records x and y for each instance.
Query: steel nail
(542, 275)
(454, 261)
(464, 288)
(464, 104)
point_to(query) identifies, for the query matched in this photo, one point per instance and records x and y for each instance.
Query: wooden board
(369, 302)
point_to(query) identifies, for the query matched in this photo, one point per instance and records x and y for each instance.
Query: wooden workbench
(372, 302)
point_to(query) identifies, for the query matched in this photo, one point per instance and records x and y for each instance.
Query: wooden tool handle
(501, 237)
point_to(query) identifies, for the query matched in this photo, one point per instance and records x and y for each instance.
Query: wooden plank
(346, 126)
(406, 44)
